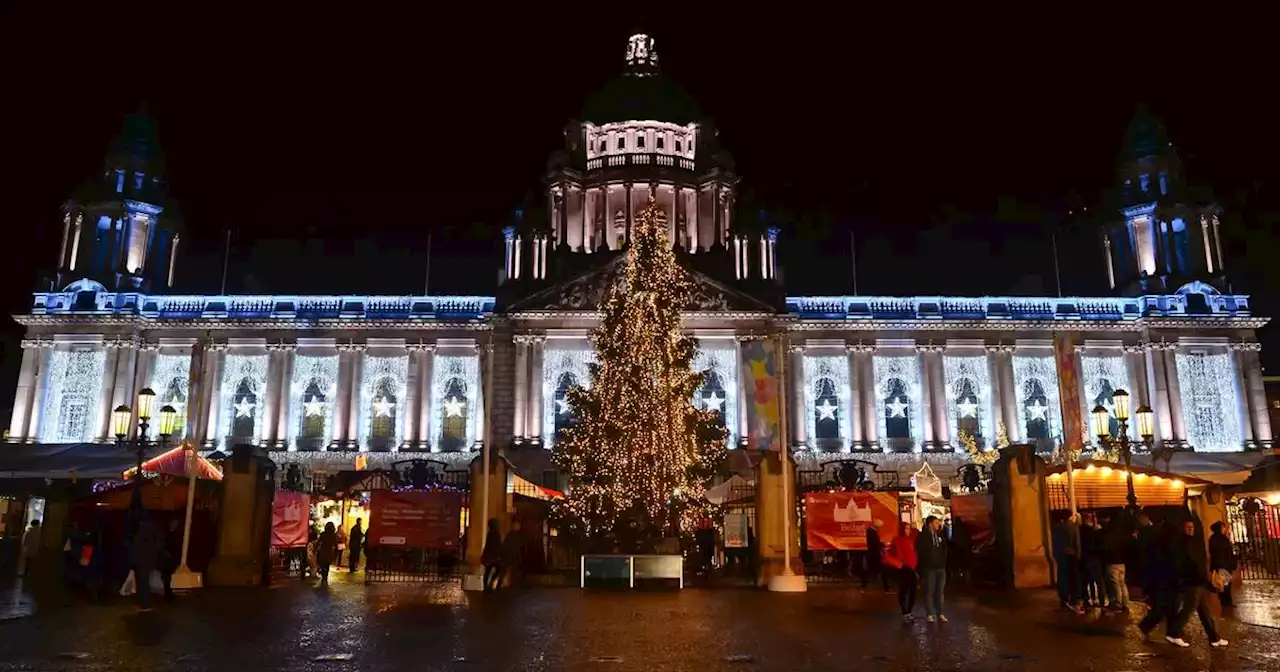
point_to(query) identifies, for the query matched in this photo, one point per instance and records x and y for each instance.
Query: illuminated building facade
(317, 379)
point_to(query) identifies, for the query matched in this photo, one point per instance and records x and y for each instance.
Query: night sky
(331, 144)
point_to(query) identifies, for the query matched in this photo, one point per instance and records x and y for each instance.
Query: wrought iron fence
(1255, 532)
(422, 565)
(823, 566)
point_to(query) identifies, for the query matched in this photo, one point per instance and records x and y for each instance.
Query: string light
(71, 406)
(640, 450)
(1210, 401)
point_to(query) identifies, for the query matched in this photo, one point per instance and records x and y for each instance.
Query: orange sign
(838, 521)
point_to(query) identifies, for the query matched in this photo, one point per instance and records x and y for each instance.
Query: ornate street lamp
(1101, 418)
(122, 422)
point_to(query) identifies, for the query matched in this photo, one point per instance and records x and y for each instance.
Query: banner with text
(760, 365)
(838, 521)
(735, 530)
(1069, 393)
(415, 519)
(290, 519)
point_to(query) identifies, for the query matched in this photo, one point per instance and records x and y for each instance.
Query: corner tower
(1165, 237)
(115, 229)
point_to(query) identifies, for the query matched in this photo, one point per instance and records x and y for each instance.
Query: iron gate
(1255, 533)
(821, 566)
(424, 565)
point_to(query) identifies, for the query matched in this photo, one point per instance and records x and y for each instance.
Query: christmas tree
(640, 455)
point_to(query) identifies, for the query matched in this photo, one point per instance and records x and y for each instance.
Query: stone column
(926, 395)
(483, 354)
(537, 344)
(342, 409)
(799, 404)
(1260, 418)
(25, 423)
(425, 391)
(144, 369)
(1244, 409)
(997, 385)
(1136, 367)
(217, 364)
(868, 409)
(1175, 394)
(1159, 392)
(410, 407)
(744, 427)
(858, 440)
(629, 216)
(942, 423)
(354, 402)
(284, 429)
(1002, 364)
(521, 414)
(106, 390)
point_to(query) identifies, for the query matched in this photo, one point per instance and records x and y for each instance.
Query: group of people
(917, 558)
(325, 549)
(1099, 556)
(502, 557)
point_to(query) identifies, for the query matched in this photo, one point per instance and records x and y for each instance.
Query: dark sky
(332, 143)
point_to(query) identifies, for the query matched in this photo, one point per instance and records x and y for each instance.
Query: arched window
(897, 413)
(712, 397)
(453, 416)
(564, 415)
(175, 395)
(382, 415)
(1035, 411)
(826, 415)
(314, 407)
(968, 409)
(244, 411)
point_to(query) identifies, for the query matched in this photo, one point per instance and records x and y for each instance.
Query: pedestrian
(901, 556)
(1159, 582)
(875, 551)
(326, 552)
(1222, 560)
(512, 555)
(1071, 560)
(357, 544)
(30, 548)
(342, 545)
(931, 561)
(491, 556)
(1115, 541)
(960, 550)
(147, 549)
(1194, 586)
(1091, 543)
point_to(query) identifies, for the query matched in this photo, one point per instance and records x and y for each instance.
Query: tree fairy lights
(1210, 401)
(640, 453)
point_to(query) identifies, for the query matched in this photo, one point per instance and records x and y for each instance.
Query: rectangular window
(622, 142)
(1164, 184)
(639, 142)
(659, 142)
(119, 181)
(1144, 182)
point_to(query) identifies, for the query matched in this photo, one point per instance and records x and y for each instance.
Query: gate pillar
(1020, 513)
(244, 525)
(774, 496)
(499, 509)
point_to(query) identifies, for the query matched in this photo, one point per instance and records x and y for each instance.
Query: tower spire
(642, 56)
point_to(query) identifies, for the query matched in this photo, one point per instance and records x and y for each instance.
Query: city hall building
(329, 381)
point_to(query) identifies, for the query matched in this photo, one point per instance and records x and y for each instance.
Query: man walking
(1192, 567)
(1115, 540)
(931, 554)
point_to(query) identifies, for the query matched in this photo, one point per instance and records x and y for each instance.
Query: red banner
(1073, 427)
(838, 521)
(974, 510)
(415, 519)
(290, 518)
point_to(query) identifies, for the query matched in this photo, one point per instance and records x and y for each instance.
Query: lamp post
(122, 421)
(1120, 441)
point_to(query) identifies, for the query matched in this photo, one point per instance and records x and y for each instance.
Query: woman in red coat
(902, 555)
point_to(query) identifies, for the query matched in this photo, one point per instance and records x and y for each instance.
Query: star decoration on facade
(897, 408)
(244, 408)
(826, 411)
(382, 408)
(1038, 411)
(562, 406)
(313, 407)
(968, 409)
(453, 407)
(714, 402)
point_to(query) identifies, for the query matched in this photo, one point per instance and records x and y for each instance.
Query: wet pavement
(418, 627)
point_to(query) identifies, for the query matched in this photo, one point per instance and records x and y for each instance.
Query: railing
(263, 306)
(1016, 308)
(640, 160)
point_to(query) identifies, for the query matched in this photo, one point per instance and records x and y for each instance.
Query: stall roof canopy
(64, 460)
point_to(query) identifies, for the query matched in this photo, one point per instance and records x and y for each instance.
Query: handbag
(130, 585)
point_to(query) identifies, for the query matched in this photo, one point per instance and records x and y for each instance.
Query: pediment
(588, 291)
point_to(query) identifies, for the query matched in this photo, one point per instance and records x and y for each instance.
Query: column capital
(796, 348)
(149, 346)
(1000, 348)
(1079, 349)
(282, 346)
(527, 339)
(1245, 346)
(37, 343)
(930, 347)
(744, 338)
(118, 342)
(349, 346)
(420, 346)
(859, 348)
(1133, 349)
(1162, 346)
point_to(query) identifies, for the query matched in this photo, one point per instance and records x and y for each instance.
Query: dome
(1145, 136)
(641, 93)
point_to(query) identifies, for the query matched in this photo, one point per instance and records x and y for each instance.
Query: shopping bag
(130, 585)
(157, 582)
(86, 555)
